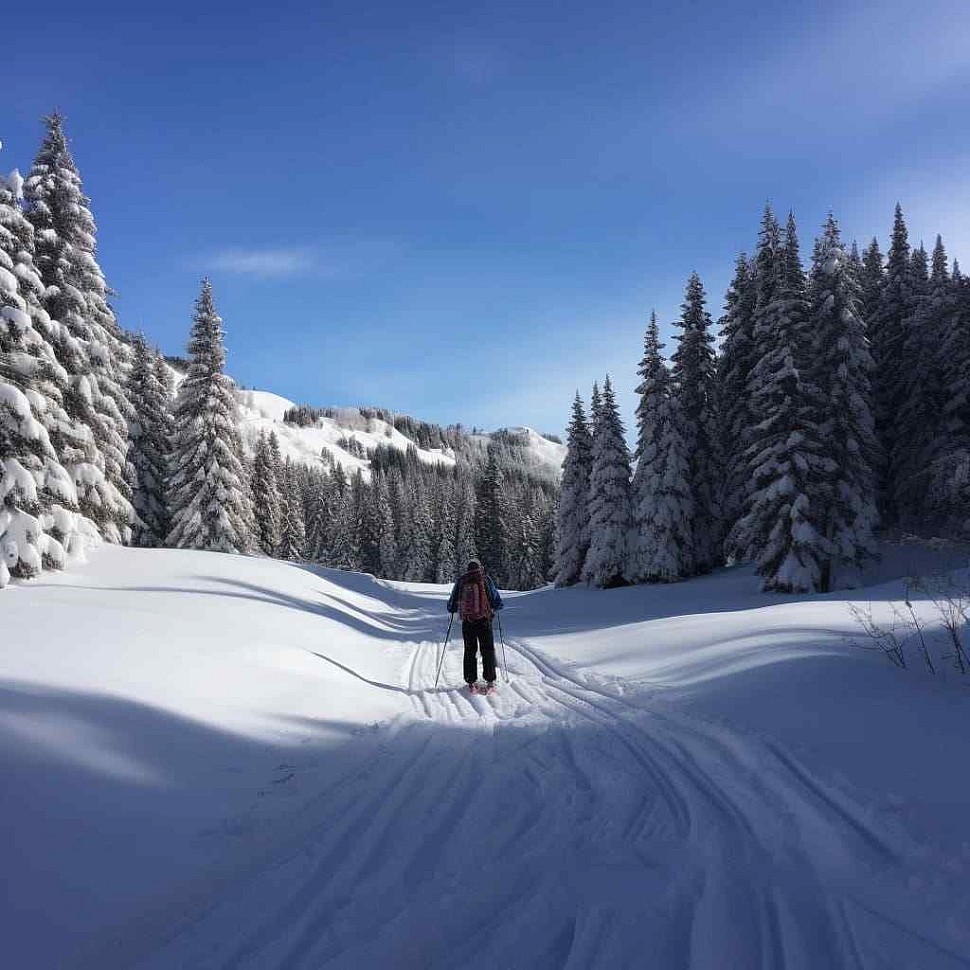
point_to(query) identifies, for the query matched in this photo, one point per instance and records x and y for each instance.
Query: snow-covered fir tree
(842, 372)
(694, 383)
(210, 504)
(854, 264)
(387, 539)
(525, 566)
(312, 484)
(378, 548)
(265, 497)
(419, 562)
(345, 550)
(292, 545)
(572, 521)
(89, 343)
(737, 358)
(166, 380)
(444, 527)
(871, 281)
(322, 528)
(782, 526)
(489, 519)
(465, 515)
(151, 445)
(661, 544)
(950, 473)
(887, 336)
(610, 502)
(595, 405)
(919, 431)
(38, 501)
(315, 509)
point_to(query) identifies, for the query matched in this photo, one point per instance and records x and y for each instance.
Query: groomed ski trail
(558, 824)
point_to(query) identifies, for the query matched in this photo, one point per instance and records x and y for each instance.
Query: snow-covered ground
(215, 761)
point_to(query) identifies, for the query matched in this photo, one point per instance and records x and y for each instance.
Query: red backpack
(474, 598)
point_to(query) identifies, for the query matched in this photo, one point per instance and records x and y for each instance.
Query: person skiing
(475, 596)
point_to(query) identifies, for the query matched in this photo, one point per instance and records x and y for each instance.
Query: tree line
(838, 405)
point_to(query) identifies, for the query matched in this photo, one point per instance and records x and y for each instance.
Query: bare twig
(919, 631)
(884, 638)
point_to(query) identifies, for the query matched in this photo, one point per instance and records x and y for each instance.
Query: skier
(474, 595)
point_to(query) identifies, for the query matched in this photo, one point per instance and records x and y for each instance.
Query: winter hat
(474, 564)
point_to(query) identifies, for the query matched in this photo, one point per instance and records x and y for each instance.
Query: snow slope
(215, 761)
(261, 411)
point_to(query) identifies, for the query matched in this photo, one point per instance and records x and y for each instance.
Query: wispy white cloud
(263, 263)
(336, 259)
(859, 64)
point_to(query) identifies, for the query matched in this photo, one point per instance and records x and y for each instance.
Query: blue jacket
(490, 590)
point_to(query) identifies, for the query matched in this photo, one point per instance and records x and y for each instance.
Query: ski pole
(505, 665)
(444, 647)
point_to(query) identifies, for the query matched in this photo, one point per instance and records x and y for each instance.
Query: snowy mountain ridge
(340, 439)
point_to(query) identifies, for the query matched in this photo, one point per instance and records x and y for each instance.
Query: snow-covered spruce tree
(919, 431)
(419, 556)
(887, 337)
(370, 532)
(782, 525)
(694, 384)
(737, 358)
(315, 510)
(345, 542)
(595, 406)
(323, 529)
(489, 518)
(210, 504)
(661, 546)
(854, 263)
(950, 474)
(292, 527)
(610, 502)
(465, 548)
(572, 519)
(378, 548)
(444, 545)
(151, 443)
(842, 372)
(762, 287)
(166, 381)
(265, 497)
(387, 539)
(526, 550)
(548, 536)
(871, 282)
(38, 501)
(91, 347)
(288, 524)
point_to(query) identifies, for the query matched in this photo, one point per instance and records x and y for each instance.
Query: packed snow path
(555, 825)
(572, 820)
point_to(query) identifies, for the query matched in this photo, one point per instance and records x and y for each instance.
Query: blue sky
(466, 211)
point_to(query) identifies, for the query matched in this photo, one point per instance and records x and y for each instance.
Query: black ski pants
(477, 635)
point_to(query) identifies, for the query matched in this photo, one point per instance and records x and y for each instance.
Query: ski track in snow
(559, 824)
